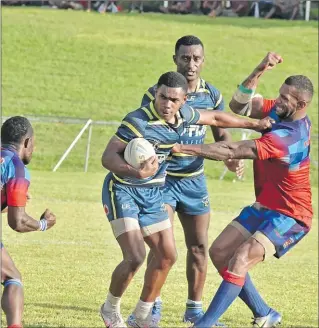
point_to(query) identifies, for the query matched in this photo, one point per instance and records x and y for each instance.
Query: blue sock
(226, 294)
(252, 299)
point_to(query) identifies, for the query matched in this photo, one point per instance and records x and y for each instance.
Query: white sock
(193, 302)
(158, 299)
(143, 309)
(112, 303)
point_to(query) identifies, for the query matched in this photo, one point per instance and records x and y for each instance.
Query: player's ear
(301, 105)
(26, 142)
(174, 59)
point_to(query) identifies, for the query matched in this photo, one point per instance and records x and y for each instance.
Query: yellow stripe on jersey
(120, 139)
(173, 174)
(160, 180)
(112, 198)
(198, 86)
(158, 122)
(147, 112)
(182, 155)
(203, 90)
(166, 146)
(149, 95)
(133, 129)
(219, 100)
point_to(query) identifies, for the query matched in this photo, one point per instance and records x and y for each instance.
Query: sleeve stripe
(132, 128)
(147, 112)
(219, 100)
(193, 115)
(120, 138)
(149, 95)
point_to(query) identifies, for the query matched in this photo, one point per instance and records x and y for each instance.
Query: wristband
(43, 225)
(243, 95)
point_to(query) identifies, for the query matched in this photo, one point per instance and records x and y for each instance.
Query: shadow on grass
(62, 307)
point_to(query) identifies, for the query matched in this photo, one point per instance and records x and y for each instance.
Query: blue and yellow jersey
(205, 97)
(15, 179)
(146, 123)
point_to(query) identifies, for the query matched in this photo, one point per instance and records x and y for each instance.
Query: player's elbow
(16, 223)
(106, 160)
(235, 106)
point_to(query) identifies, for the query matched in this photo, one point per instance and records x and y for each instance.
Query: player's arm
(113, 160)
(20, 221)
(226, 120)
(243, 101)
(17, 195)
(221, 151)
(270, 145)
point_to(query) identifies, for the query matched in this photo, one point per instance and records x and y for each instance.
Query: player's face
(287, 103)
(189, 61)
(28, 150)
(168, 101)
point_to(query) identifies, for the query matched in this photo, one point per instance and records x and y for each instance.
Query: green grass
(66, 270)
(78, 64)
(87, 65)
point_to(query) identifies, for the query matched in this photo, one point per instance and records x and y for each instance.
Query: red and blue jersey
(15, 179)
(282, 171)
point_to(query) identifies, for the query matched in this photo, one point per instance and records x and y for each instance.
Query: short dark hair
(173, 80)
(301, 83)
(188, 40)
(14, 129)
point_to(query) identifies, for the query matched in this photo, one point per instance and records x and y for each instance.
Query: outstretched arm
(221, 151)
(226, 120)
(243, 101)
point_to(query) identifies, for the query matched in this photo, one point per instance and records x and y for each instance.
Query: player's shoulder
(12, 166)
(187, 112)
(150, 93)
(211, 88)
(140, 116)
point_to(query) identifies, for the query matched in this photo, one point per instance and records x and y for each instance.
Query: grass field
(78, 64)
(67, 269)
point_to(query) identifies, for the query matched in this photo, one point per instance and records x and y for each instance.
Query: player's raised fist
(265, 124)
(50, 217)
(149, 167)
(270, 61)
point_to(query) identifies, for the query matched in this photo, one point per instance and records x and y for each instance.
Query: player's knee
(136, 260)
(217, 254)
(10, 273)
(199, 252)
(240, 260)
(168, 260)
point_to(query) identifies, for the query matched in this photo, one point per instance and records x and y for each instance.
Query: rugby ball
(137, 151)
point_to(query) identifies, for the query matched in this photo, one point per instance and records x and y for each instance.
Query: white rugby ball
(137, 151)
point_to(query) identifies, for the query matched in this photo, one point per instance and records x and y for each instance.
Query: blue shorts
(134, 208)
(277, 232)
(187, 195)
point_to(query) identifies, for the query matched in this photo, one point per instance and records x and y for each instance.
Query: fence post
(66, 153)
(308, 7)
(88, 149)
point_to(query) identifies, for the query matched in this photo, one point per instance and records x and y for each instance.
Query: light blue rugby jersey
(146, 123)
(205, 97)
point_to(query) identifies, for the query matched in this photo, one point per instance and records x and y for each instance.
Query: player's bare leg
(221, 252)
(162, 245)
(196, 238)
(157, 308)
(12, 300)
(134, 253)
